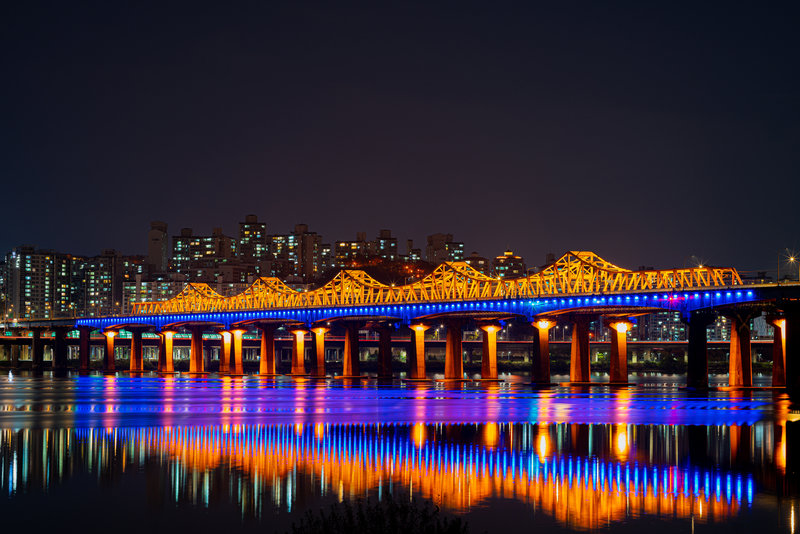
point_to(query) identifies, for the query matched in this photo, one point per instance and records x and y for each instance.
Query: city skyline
(785, 255)
(402, 247)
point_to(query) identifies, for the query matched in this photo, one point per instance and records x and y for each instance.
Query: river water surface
(129, 454)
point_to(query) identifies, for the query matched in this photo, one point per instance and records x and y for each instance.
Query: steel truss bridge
(577, 280)
(454, 285)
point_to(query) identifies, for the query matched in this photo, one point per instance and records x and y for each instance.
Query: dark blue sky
(647, 132)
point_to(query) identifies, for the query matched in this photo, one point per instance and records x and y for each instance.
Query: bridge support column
(351, 357)
(224, 352)
(207, 355)
(618, 357)
(84, 348)
(453, 355)
(416, 352)
(37, 351)
(489, 355)
(319, 350)
(196, 351)
(109, 365)
(384, 350)
(741, 359)
(137, 358)
(267, 365)
(14, 356)
(165, 353)
(540, 366)
(778, 351)
(792, 353)
(299, 351)
(697, 349)
(236, 367)
(579, 350)
(60, 351)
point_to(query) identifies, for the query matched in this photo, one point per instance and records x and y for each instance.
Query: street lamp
(791, 257)
(793, 260)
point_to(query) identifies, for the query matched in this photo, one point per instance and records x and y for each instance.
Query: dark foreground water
(176, 454)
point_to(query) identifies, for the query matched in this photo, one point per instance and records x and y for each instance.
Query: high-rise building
(384, 246)
(139, 289)
(37, 284)
(3, 287)
(349, 252)
(298, 255)
(479, 263)
(308, 246)
(98, 281)
(412, 254)
(720, 330)
(282, 257)
(761, 328)
(509, 265)
(660, 326)
(441, 248)
(253, 243)
(198, 257)
(325, 257)
(157, 246)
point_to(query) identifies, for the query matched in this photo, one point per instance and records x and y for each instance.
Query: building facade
(509, 265)
(442, 247)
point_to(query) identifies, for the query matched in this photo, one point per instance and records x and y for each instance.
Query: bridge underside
(408, 313)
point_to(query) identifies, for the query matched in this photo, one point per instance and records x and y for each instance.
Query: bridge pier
(618, 357)
(319, 350)
(416, 352)
(108, 357)
(697, 349)
(540, 364)
(741, 358)
(137, 358)
(84, 348)
(196, 351)
(792, 352)
(208, 354)
(37, 351)
(60, 351)
(236, 367)
(384, 350)
(266, 365)
(299, 352)
(224, 352)
(165, 353)
(579, 370)
(15, 355)
(489, 357)
(778, 351)
(453, 355)
(350, 359)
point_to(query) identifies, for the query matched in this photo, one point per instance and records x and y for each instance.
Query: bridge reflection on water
(581, 475)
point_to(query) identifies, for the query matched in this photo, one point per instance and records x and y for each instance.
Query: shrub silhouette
(386, 516)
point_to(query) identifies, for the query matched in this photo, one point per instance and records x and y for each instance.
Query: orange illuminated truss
(575, 273)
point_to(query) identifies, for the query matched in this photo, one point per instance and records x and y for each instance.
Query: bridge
(578, 288)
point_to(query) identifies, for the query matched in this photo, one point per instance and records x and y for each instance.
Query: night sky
(647, 134)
